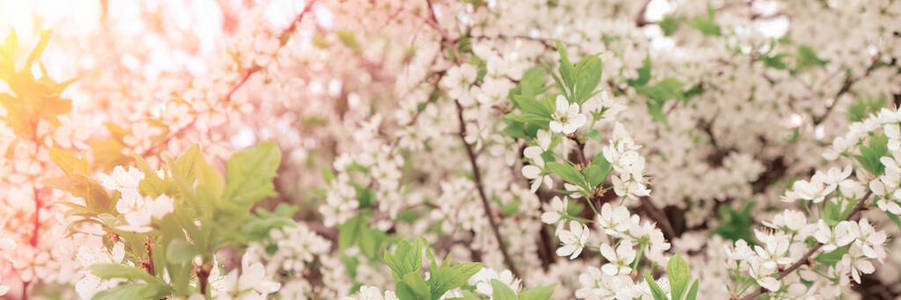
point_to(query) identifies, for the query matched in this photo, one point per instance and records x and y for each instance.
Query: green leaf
(870, 154)
(589, 76)
(445, 278)
(249, 173)
(180, 251)
(595, 134)
(370, 241)
(832, 213)
(152, 185)
(350, 231)
(567, 172)
(707, 25)
(679, 274)
(501, 291)
(831, 258)
(109, 271)
(529, 105)
(407, 258)
(412, 287)
(567, 71)
(467, 295)
(736, 224)
(644, 74)
(68, 162)
(667, 89)
(864, 107)
(328, 175)
(595, 175)
(693, 291)
(132, 291)
(807, 57)
(258, 228)
(38, 49)
(669, 25)
(186, 164)
(95, 196)
(774, 61)
(538, 293)
(348, 39)
(532, 81)
(656, 291)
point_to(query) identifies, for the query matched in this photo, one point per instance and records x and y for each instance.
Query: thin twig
(640, 19)
(285, 33)
(846, 87)
(477, 176)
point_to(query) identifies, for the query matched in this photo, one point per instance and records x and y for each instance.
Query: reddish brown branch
(244, 78)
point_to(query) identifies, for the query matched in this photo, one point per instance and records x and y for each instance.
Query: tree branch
(846, 87)
(477, 178)
(656, 213)
(283, 36)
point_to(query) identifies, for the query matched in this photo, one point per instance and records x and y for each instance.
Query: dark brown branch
(477, 178)
(640, 19)
(656, 213)
(846, 87)
(807, 258)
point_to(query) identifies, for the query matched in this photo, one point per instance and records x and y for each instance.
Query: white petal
(531, 171)
(550, 217)
(562, 104)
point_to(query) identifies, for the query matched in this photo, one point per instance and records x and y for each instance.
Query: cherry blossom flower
(842, 234)
(573, 239)
(482, 280)
(567, 118)
(250, 282)
(857, 263)
(555, 212)
(619, 260)
(614, 220)
(371, 293)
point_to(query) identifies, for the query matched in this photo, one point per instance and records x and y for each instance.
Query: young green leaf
(679, 274)
(249, 173)
(109, 271)
(589, 75)
(538, 293)
(501, 291)
(693, 291)
(407, 258)
(445, 278)
(807, 57)
(831, 258)
(68, 163)
(349, 232)
(567, 172)
(412, 287)
(132, 291)
(180, 251)
(656, 291)
(871, 153)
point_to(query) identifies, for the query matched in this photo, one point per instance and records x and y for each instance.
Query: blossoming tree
(451, 149)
